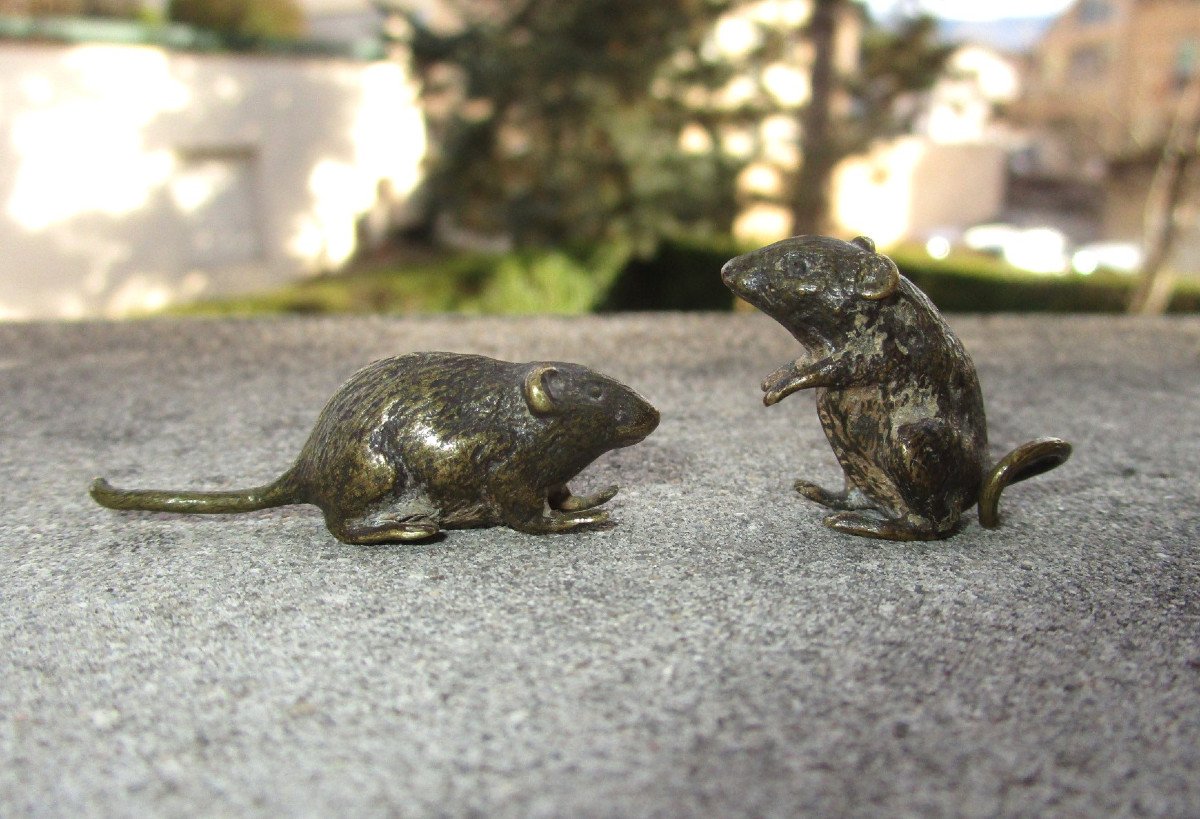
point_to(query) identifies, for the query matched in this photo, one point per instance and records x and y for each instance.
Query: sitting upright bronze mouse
(897, 394)
(429, 441)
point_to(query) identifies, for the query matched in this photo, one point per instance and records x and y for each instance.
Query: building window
(215, 194)
(1092, 12)
(1087, 63)
(1186, 63)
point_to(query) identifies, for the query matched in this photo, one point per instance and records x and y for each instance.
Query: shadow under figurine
(897, 394)
(429, 441)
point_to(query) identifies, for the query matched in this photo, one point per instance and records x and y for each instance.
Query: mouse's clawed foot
(384, 530)
(537, 522)
(566, 521)
(587, 517)
(867, 525)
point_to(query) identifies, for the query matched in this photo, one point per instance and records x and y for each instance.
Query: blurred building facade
(1107, 78)
(133, 176)
(950, 172)
(1102, 91)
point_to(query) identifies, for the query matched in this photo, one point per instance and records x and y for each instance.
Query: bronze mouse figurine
(897, 393)
(428, 441)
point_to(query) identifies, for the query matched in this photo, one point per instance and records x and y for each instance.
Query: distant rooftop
(1014, 35)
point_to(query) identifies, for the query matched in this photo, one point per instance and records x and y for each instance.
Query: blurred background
(514, 156)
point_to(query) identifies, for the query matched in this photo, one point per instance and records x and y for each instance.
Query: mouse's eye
(594, 392)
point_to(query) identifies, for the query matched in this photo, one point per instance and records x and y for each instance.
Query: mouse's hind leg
(909, 527)
(911, 489)
(560, 497)
(388, 527)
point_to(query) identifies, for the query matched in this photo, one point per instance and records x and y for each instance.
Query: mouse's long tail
(1029, 459)
(277, 493)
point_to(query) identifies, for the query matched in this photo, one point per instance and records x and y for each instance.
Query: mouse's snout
(638, 421)
(729, 271)
(735, 275)
(645, 419)
(650, 418)
(744, 278)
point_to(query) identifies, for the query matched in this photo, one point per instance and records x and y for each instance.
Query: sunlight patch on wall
(8, 313)
(389, 147)
(327, 235)
(193, 188)
(134, 177)
(139, 294)
(62, 173)
(872, 193)
(389, 132)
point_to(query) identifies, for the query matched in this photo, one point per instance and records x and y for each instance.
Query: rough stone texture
(716, 651)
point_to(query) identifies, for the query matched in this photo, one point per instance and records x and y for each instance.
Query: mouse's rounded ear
(878, 277)
(539, 389)
(864, 242)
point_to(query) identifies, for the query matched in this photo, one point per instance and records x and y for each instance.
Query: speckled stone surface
(717, 651)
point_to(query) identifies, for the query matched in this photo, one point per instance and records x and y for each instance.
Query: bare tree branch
(1156, 282)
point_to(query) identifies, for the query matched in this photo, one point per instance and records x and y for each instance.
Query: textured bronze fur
(897, 394)
(429, 441)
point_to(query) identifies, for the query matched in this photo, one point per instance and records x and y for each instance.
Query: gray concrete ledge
(716, 652)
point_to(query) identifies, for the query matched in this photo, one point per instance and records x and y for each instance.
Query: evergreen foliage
(241, 19)
(113, 9)
(559, 121)
(556, 121)
(898, 64)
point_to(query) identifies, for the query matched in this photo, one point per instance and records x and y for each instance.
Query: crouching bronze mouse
(429, 441)
(897, 394)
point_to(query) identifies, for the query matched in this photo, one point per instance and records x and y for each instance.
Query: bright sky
(973, 9)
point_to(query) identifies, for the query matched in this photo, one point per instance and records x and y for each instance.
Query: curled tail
(278, 493)
(1029, 459)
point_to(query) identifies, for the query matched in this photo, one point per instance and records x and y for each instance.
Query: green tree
(821, 151)
(1166, 198)
(118, 9)
(548, 125)
(897, 64)
(558, 121)
(282, 19)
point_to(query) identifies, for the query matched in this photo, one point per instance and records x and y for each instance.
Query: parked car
(1121, 257)
(1036, 249)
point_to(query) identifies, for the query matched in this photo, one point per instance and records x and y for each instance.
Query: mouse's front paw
(783, 374)
(789, 379)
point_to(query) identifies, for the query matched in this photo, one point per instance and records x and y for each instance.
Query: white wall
(906, 188)
(132, 177)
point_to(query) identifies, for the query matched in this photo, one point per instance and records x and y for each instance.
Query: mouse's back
(411, 401)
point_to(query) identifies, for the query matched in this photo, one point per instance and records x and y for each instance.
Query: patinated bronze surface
(897, 394)
(429, 441)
